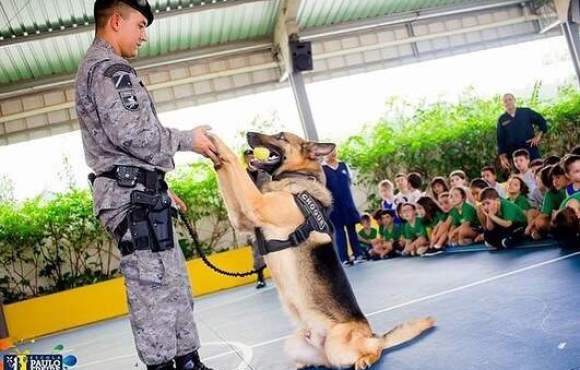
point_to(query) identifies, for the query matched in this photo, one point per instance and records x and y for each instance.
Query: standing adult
(515, 130)
(130, 151)
(344, 215)
(259, 178)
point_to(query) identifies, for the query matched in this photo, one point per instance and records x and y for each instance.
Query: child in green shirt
(367, 234)
(465, 226)
(414, 235)
(566, 224)
(504, 221)
(440, 232)
(388, 236)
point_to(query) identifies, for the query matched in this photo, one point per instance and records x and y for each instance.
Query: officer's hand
(505, 162)
(181, 206)
(534, 141)
(203, 145)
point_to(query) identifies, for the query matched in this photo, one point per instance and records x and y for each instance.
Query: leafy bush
(436, 139)
(53, 245)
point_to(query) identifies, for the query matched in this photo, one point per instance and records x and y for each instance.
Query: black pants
(498, 233)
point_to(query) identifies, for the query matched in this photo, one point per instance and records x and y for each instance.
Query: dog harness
(316, 220)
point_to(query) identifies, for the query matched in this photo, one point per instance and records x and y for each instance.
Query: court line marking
(245, 351)
(422, 299)
(78, 346)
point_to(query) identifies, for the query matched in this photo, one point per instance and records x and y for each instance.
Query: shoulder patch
(118, 67)
(120, 74)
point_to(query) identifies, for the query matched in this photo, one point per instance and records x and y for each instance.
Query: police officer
(130, 152)
(515, 130)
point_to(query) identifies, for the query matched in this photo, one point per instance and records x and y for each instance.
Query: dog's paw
(365, 361)
(426, 323)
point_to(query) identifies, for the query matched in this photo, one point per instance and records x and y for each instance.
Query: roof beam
(404, 18)
(228, 50)
(285, 29)
(63, 30)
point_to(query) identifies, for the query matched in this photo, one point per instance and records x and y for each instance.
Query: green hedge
(436, 139)
(53, 245)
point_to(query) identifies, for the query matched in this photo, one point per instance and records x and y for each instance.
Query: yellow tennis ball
(261, 153)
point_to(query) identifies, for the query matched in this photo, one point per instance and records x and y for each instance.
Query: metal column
(303, 105)
(571, 32)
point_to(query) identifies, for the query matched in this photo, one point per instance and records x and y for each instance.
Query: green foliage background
(439, 138)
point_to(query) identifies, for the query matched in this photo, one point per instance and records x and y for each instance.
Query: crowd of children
(540, 199)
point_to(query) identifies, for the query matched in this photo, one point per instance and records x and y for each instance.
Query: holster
(150, 221)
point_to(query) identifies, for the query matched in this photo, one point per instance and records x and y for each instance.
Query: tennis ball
(261, 153)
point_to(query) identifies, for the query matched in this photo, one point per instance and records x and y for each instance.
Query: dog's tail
(407, 331)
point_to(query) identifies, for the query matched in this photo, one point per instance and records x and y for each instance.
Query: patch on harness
(314, 211)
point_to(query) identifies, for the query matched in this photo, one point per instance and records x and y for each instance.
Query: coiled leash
(197, 245)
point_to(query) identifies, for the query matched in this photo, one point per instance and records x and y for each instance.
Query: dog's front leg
(239, 192)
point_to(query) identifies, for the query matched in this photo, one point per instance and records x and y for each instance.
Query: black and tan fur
(312, 285)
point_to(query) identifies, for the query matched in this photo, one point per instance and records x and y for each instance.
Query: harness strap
(316, 219)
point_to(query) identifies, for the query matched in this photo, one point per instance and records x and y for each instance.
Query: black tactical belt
(127, 247)
(129, 176)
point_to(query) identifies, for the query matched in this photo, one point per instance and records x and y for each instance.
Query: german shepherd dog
(331, 330)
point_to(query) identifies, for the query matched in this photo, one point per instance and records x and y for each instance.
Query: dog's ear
(316, 150)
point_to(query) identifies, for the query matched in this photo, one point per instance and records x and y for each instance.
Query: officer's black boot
(191, 361)
(260, 283)
(163, 366)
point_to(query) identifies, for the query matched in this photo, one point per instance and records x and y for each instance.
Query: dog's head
(289, 153)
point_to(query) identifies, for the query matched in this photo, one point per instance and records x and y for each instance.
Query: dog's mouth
(276, 153)
(273, 160)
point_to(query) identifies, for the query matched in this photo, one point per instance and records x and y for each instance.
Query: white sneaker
(359, 259)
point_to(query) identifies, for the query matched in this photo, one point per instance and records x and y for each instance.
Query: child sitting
(367, 234)
(414, 238)
(386, 191)
(505, 221)
(536, 197)
(458, 178)
(572, 169)
(415, 182)
(476, 186)
(441, 231)
(438, 185)
(406, 193)
(465, 226)
(389, 234)
(432, 216)
(566, 223)
(554, 180)
(517, 193)
(521, 158)
(489, 175)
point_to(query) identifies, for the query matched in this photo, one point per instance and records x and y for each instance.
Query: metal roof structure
(200, 51)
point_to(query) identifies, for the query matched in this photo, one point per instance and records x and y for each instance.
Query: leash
(197, 245)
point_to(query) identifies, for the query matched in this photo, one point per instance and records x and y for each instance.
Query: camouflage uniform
(119, 126)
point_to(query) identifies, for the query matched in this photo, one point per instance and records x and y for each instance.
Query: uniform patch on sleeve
(129, 99)
(120, 74)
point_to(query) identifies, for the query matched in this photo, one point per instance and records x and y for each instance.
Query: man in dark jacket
(515, 130)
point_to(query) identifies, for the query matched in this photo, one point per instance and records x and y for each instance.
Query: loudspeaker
(301, 55)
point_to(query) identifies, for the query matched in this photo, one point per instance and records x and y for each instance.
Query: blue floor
(506, 310)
